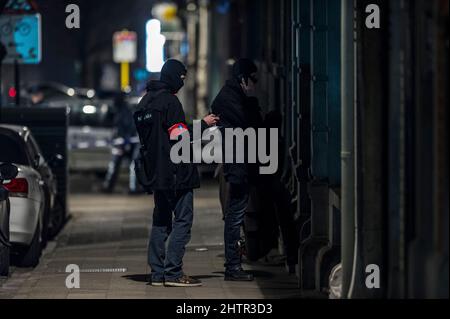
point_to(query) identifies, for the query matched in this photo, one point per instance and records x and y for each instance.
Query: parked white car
(27, 195)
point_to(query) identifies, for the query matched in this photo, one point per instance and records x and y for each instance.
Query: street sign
(125, 47)
(21, 35)
(20, 7)
(125, 52)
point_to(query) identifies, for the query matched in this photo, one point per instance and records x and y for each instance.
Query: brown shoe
(184, 281)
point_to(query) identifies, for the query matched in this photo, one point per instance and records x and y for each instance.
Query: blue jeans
(235, 212)
(172, 221)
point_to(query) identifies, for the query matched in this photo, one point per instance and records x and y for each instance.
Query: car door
(43, 168)
(37, 191)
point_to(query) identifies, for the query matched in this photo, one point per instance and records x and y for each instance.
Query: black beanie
(171, 74)
(244, 68)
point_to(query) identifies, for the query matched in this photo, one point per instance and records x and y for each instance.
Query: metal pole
(348, 145)
(125, 76)
(17, 82)
(3, 53)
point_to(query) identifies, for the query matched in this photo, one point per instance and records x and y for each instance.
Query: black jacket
(123, 122)
(236, 110)
(158, 111)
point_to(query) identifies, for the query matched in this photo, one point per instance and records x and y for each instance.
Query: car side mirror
(55, 159)
(37, 161)
(8, 171)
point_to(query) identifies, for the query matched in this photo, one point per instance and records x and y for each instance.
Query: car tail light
(17, 187)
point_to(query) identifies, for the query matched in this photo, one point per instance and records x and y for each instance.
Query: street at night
(243, 153)
(107, 237)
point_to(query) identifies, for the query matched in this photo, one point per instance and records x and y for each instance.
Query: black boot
(238, 275)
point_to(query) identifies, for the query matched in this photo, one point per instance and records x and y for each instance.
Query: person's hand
(211, 120)
(248, 88)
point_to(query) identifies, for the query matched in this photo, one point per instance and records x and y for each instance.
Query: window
(33, 148)
(11, 151)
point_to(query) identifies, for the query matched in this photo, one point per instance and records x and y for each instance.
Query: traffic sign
(125, 47)
(21, 36)
(20, 7)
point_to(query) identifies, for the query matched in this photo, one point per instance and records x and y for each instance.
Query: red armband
(176, 130)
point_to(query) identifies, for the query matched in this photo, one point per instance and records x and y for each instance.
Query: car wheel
(4, 260)
(46, 221)
(57, 219)
(30, 257)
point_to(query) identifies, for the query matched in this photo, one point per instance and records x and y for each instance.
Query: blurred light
(170, 13)
(12, 92)
(154, 46)
(119, 141)
(104, 108)
(89, 109)
(83, 145)
(90, 93)
(116, 151)
(101, 143)
(70, 92)
(86, 129)
(166, 12)
(191, 7)
(127, 89)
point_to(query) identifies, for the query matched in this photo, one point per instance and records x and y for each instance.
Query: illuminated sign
(154, 46)
(125, 47)
(21, 35)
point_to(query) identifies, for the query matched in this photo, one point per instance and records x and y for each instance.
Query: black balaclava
(243, 68)
(171, 74)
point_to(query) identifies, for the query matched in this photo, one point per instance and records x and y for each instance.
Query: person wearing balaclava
(237, 108)
(160, 120)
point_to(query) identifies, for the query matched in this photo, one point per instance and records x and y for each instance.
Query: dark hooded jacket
(236, 110)
(123, 120)
(158, 111)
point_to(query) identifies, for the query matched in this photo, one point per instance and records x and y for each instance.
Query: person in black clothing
(277, 198)
(159, 120)
(37, 96)
(124, 146)
(238, 109)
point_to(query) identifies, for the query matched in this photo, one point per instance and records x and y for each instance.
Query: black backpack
(145, 124)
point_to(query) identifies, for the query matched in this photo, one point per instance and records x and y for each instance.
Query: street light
(154, 46)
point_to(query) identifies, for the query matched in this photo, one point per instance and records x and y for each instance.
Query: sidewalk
(111, 232)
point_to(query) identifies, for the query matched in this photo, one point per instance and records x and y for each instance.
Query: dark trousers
(285, 218)
(237, 203)
(172, 221)
(129, 152)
